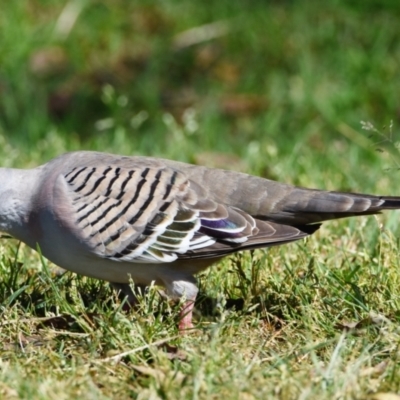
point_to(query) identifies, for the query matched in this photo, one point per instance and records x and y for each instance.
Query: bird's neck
(18, 189)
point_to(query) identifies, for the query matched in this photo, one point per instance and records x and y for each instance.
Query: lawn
(305, 93)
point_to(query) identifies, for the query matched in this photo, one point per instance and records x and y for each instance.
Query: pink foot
(186, 313)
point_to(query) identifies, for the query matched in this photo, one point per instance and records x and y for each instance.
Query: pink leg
(178, 287)
(185, 315)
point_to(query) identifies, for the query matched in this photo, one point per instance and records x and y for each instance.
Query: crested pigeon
(118, 218)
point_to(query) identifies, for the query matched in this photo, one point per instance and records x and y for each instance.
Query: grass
(279, 91)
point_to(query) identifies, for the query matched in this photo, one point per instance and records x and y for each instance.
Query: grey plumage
(114, 217)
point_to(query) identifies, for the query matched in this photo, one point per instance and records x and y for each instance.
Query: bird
(151, 220)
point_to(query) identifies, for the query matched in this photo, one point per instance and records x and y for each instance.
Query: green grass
(279, 92)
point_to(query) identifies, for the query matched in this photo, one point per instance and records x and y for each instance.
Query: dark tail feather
(390, 202)
(304, 206)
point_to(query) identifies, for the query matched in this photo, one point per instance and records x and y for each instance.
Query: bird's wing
(155, 214)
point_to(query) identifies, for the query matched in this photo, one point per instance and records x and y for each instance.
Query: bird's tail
(304, 206)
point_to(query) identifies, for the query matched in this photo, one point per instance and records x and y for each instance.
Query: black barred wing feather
(149, 214)
(266, 234)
